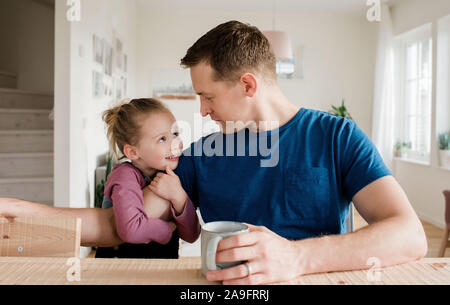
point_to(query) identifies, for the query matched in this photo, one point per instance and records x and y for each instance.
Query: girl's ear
(130, 152)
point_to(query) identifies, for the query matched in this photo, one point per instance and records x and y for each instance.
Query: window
(286, 68)
(415, 96)
(418, 96)
(443, 76)
(292, 68)
(422, 96)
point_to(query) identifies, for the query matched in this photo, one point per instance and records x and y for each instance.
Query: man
(295, 206)
(324, 163)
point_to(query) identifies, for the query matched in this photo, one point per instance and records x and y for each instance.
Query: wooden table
(186, 271)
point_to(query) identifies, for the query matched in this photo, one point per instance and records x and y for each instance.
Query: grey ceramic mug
(212, 234)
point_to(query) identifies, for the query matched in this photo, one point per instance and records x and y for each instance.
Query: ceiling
(296, 6)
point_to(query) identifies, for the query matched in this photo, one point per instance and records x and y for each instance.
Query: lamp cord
(274, 8)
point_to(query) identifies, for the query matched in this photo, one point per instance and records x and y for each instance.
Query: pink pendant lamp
(279, 40)
(281, 44)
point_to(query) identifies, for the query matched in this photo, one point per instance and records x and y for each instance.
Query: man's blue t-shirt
(297, 180)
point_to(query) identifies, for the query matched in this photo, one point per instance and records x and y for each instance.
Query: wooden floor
(433, 233)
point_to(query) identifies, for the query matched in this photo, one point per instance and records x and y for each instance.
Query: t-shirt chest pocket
(307, 193)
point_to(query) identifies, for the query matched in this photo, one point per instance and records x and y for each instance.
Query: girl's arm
(132, 223)
(168, 186)
(187, 222)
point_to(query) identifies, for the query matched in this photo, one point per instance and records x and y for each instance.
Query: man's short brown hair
(231, 49)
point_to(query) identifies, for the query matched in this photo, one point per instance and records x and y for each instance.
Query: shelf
(403, 159)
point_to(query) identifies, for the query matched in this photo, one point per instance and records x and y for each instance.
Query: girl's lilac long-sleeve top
(124, 188)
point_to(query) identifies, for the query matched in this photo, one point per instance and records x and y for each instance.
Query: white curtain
(383, 105)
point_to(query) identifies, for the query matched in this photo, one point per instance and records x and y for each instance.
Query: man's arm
(97, 225)
(394, 236)
(155, 206)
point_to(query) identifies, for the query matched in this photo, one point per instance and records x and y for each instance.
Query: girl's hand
(168, 186)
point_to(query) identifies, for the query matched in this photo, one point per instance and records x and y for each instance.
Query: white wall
(27, 38)
(408, 14)
(339, 63)
(339, 53)
(423, 183)
(443, 76)
(105, 18)
(61, 176)
(81, 139)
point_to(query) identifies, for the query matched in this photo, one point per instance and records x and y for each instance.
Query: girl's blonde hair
(124, 121)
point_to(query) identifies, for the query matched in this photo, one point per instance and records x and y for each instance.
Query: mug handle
(211, 251)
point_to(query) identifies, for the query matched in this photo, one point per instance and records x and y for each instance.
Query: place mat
(30, 271)
(187, 271)
(428, 271)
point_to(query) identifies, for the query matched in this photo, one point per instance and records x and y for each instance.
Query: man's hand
(272, 258)
(172, 225)
(168, 186)
(6, 204)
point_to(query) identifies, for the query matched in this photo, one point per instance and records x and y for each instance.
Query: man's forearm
(391, 241)
(97, 225)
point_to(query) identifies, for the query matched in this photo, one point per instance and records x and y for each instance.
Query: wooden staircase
(26, 142)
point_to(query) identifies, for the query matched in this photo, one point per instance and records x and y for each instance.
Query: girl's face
(159, 145)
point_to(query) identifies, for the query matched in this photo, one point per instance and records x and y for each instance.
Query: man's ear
(130, 152)
(250, 84)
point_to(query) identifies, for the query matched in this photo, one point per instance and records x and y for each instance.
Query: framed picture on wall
(98, 46)
(108, 59)
(107, 86)
(97, 84)
(119, 54)
(172, 85)
(119, 89)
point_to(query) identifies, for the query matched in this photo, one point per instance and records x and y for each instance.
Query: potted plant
(100, 187)
(400, 148)
(444, 149)
(340, 111)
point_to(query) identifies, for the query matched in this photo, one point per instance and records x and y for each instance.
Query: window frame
(401, 43)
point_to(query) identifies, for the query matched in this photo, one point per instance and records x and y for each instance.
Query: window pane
(425, 96)
(425, 66)
(443, 76)
(286, 68)
(411, 97)
(412, 134)
(425, 112)
(418, 96)
(411, 61)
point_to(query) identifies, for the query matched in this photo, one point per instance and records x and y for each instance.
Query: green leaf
(340, 111)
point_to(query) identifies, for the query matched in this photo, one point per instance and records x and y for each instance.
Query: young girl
(148, 218)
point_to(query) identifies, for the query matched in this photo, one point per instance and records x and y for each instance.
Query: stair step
(23, 141)
(22, 99)
(8, 80)
(14, 165)
(25, 119)
(36, 189)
